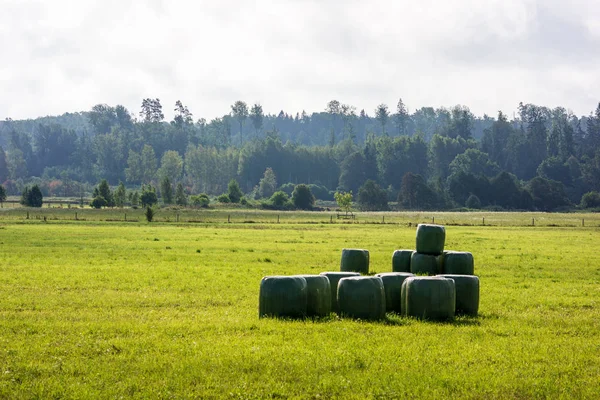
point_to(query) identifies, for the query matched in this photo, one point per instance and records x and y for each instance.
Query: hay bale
(318, 294)
(426, 264)
(430, 239)
(458, 263)
(428, 297)
(467, 293)
(401, 260)
(334, 278)
(355, 260)
(392, 285)
(282, 296)
(362, 297)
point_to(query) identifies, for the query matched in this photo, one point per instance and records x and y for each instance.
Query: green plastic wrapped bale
(428, 297)
(355, 260)
(467, 293)
(392, 285)
(362, 297)
(318, 303)
(401, 260)
(431, 239)
(282, 296)
(458, 263)
(334, 278)
(426, 264)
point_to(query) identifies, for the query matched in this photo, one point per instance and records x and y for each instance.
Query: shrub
(473, 202)
(590, 200)
(234, 192)
(148, 197)
(149, 214)
(355, 260)
(223, 198)
(201, 200)
(280, 199)
(32, 197)
(99, 202)
(320, 192)
(371, 197)
(302, 197)
(362, 297)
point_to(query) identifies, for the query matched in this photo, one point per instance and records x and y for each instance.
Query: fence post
(177, 217)
(229, 218)
(483, 219)
(277, 218)
(433, 220)
(532, 221)
(125, 216)
(75, 216)
(582, 222)
(383, 219)
(27, 214)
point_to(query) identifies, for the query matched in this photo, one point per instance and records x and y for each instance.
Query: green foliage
(202, 200)
(234, 192)
(547, 195)
(2, 194)
(590, 200)
(166, 190)
(224, 198)
(371, 197)
(148, 197)
(32, 197)
(302, 197)
(149, 214)
(268, 184)
(344, 200)
(280, 199)
(180, 196)
(103, 190)
(98, 202)
(120, 195)
(135, 198)
(473, 202)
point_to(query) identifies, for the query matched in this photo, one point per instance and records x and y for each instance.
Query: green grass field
(96, 309)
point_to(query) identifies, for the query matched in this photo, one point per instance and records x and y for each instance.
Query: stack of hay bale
(428, 283)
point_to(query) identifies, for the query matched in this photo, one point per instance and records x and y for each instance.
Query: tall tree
(401, 117)
(171, 166)
(257, 116)
(334, 110)
(152, 110)
(3, 166)
(239, 110)
(183, 117)
(148, 164)
(166, 190)
(382, 115)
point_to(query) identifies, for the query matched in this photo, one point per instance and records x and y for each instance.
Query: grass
(93, 309)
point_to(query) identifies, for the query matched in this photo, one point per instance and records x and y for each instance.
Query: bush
(201, 200)
(473, 202)
(302, 197)
(32, 197)
(223, 198)
(234, 192)
(148, 197)
(280, 199)
(149, 214)
(590, 200)
(99, 202)
(320, 192)
(371, 197)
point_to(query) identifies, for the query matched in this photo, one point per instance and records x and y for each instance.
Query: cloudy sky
(61, 55)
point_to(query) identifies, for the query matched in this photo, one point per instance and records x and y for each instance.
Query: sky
(64, 56)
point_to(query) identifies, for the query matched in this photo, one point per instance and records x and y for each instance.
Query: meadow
(103, 308)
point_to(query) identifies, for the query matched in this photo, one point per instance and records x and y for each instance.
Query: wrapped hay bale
(318, 295)
(430, 239)
(282, 296)
(426, 264)
(458, 263)
(334, 278)
(362, 297)
(355, 260)
(467, 293)
(392, 285)
(401, 260)
(428, 297)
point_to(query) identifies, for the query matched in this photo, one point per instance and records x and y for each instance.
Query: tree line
(540, 158)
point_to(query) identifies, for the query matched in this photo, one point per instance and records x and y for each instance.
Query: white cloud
(69, 55)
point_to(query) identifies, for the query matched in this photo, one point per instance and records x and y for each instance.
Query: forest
(540, 158)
